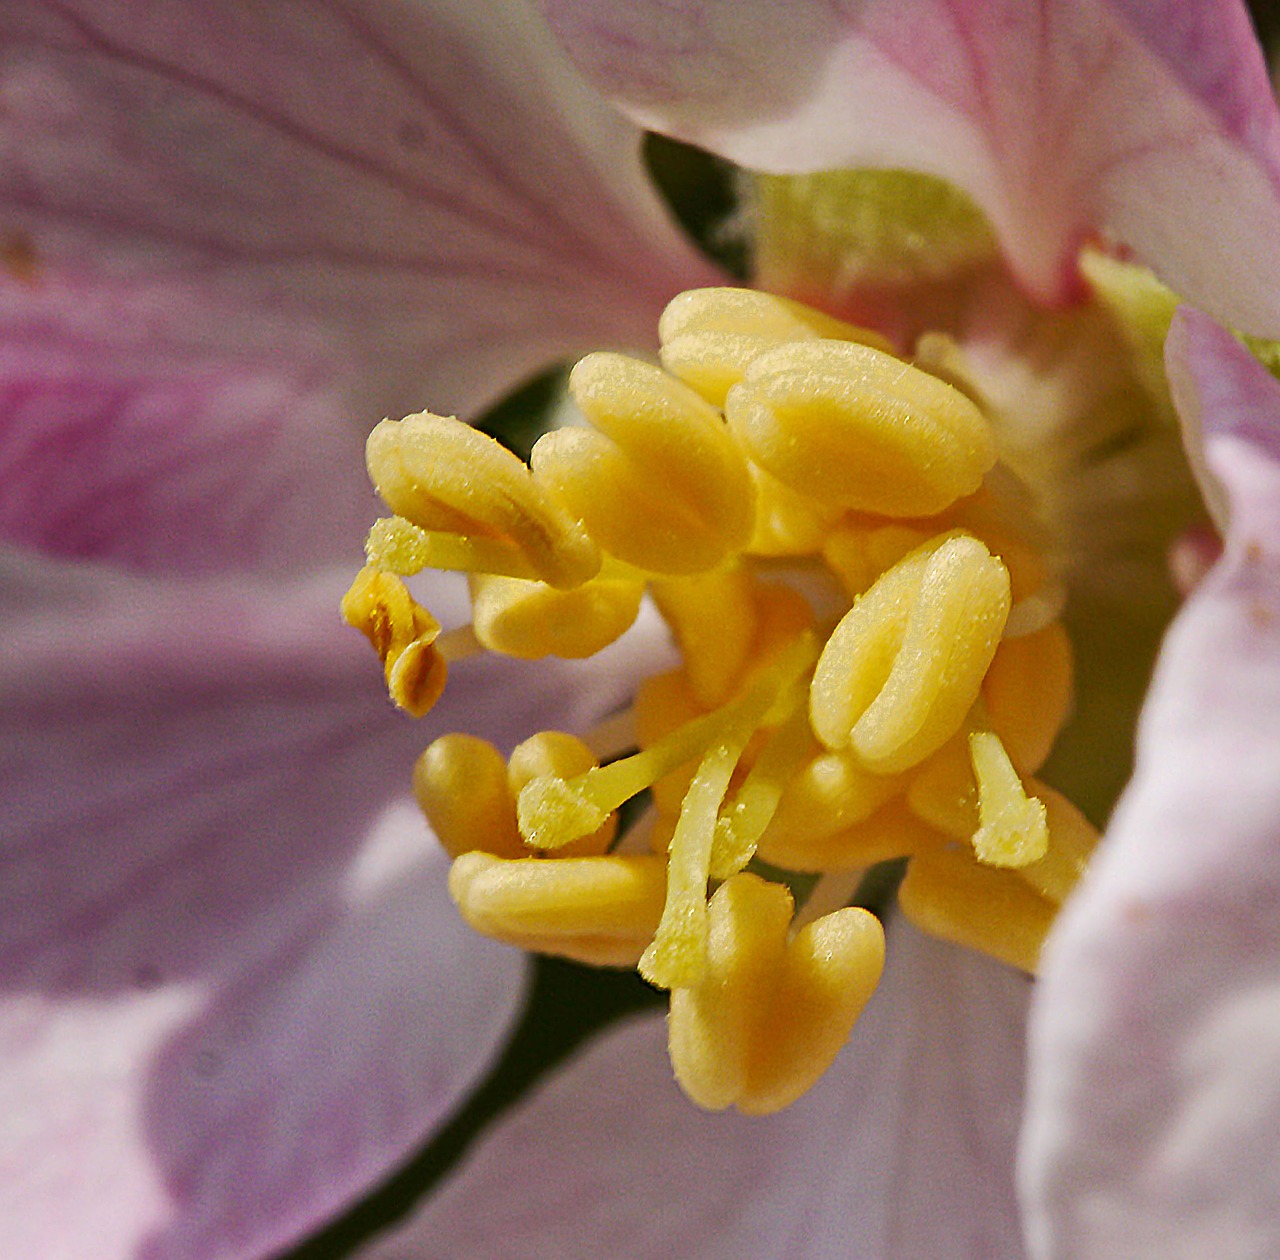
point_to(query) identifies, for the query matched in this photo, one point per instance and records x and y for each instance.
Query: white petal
(1153, 1122)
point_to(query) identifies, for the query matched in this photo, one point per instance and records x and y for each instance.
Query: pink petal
(904, 1150)
(1150, 120)
(233, 992)
(1153, 1124)
(233, 237)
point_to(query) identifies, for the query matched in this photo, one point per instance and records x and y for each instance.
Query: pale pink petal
(233, 237)
(904, 1150)
(1153, 1122)
(1152, 120)
(233, 992)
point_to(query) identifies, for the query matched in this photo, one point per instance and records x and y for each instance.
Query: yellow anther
(710, 336)
(768, 1017)
(597, 910)
(949, 894)
(1071, 840)
(783, 617)
(892, 831)
(556, 753)
(443, 475)
(829, 794)
(1028, 692)
(531, 620)
(400, 546)
(788, 523)
(943, 792)
(856, 428)
(461, 786)
(659, 481)
(860, 549)
(678, 953)
(829, 974)
(403, 634)
(983, 516)
(1013, 830)
(713, 618)
(903, 667)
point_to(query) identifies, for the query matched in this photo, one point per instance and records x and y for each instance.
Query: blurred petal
(903, 1150)
(232, 990)
(1150, 120)
(1153, 1123)
(233, 237)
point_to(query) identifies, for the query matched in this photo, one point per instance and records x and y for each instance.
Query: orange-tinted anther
(461, 785)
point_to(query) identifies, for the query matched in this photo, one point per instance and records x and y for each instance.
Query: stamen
(911, 735)
(468, 791)
(768, 1017)
(949, 895)
(856, 428)
(1072, 838)
(892, 831)
(597, 910)
(461, 786)
(1027, 693)
(902, 669)
(713, 618)
(443, 475)
(710, 337)
(531, 620)
(402, 633)
(658, 481)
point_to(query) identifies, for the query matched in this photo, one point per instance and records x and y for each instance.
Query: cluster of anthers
(895, 710)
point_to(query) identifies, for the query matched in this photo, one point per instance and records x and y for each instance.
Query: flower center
(896, 711)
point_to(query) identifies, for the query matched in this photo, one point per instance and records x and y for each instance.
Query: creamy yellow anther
(768, 1017)
(659, 480)
(710, 336)
(856, 428)
(860, 549)
(1013, 830)
(461, 786)
(948, 894)
(1028, 694)
(892, 831)
(531, 620)
(678, 953)
(443, 475)
(713, 617)
(597, 910)
(905, 664)
(788, 523)
(829, 793)
(403, 634)
(1072, 839)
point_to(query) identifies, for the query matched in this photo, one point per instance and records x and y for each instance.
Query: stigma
(872, 671)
